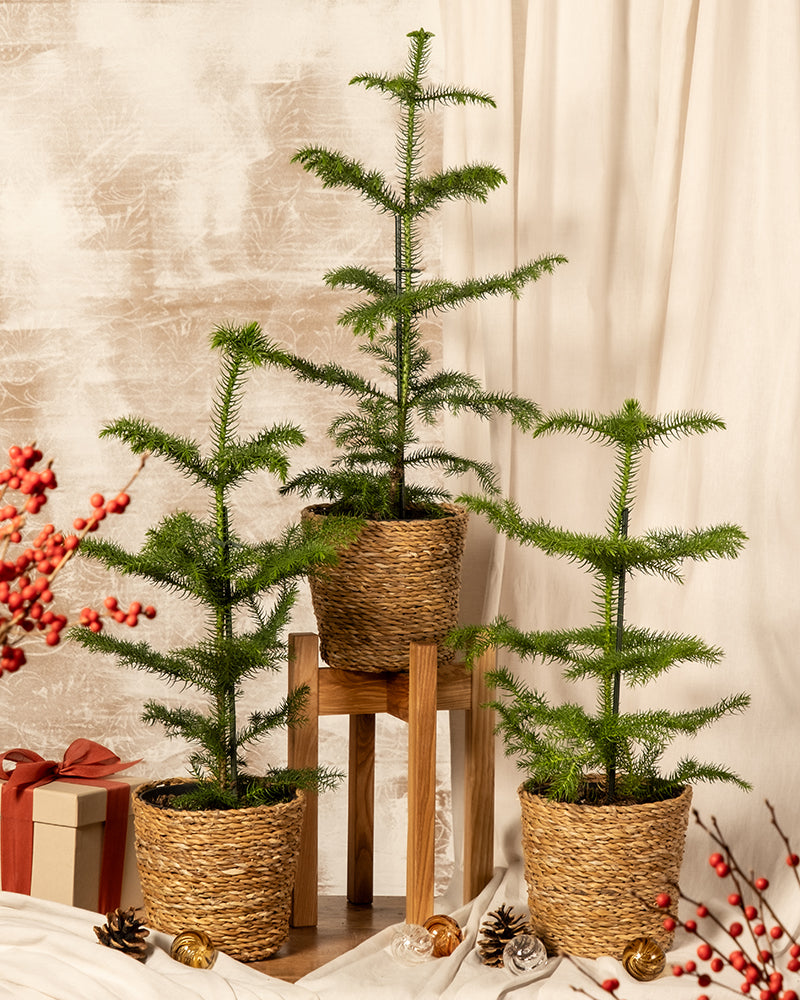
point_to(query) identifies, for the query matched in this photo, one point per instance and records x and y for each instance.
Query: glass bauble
(644, 959)
(446, 932)
(524, 953)
(194, 948)
(412, 944)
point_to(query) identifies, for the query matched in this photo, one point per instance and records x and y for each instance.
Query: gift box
(63, 841)
(68, 833)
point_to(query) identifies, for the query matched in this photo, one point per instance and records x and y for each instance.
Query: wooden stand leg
(361, 809)
(303, 751)
(479, 784)
(421, 781)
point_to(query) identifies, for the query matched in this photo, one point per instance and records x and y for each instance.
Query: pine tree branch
(144, 438)
(336, 170)
(472, 182)
(434, 296)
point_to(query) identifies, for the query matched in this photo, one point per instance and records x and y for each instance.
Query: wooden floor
(341, 926)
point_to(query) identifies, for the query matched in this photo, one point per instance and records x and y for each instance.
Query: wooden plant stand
(415, 697)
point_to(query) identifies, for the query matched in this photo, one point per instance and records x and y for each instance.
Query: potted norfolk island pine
(603, 825)
(400, 580)
(217, 850)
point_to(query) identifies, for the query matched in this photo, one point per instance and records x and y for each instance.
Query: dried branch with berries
(752, 950)
(29, 564)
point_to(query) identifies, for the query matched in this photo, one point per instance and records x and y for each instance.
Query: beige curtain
(656, 143)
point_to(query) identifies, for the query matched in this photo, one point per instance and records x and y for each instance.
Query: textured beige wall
(146, 194)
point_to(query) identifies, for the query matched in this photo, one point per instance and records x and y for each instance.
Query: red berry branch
(753, 934)
(27, 571)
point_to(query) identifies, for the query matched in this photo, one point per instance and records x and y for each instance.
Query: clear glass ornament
(412, 944)
(524, 953)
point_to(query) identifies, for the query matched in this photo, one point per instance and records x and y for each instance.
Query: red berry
(690, 966)
(704, 951)
(609, 985)
(677, 970)
(750, 912)
(52, 638)
(737, 960)
(149, 611)
(132, 621)
(702, 910)
(111, 603)
(735, 899)
(759, 930)
(97, 500)
(704, 980)
(663, 900)
(135, 608)
(717, 965)
(794, 951)
(715, 859)
(776, 932)
(79, 524)
(735, 929)
(722, 869)
(690, 926)
(668, 923)
(761, 884)
(793, 860)
(793, 965)
(122, 500)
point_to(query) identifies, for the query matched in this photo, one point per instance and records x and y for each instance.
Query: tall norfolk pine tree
(228, 578)
(378, 439)
(558, 746)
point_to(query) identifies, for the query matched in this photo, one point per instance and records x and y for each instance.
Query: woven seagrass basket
(397, 583)
(594, 871)
(227, 872)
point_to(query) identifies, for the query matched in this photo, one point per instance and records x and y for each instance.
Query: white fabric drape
(656, 145)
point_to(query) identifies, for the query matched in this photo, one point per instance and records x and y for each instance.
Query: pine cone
(498, 929)
(124, 933)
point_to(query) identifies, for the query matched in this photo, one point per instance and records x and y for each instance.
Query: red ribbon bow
(84, 762)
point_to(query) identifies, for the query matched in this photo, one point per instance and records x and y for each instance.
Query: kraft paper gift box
(68, 830)
(53, 842)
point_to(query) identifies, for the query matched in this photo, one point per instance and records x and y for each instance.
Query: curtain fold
(657, 145)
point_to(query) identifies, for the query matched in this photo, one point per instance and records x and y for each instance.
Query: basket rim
(599, 807)
(451, 510)
(299, 796)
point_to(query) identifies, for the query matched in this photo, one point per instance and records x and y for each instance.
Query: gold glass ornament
(194, 948)
(447, 935)
(644, 959)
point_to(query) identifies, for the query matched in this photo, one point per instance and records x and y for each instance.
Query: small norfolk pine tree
(378, 440)
(205, 561)
(559, 746)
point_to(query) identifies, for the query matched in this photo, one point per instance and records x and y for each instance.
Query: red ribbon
(86, 763)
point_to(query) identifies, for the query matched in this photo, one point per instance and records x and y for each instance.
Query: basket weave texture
(594, 871)
(397, 583)
(228, 872)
